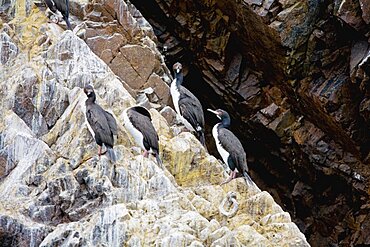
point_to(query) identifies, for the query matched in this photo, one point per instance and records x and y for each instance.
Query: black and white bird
(187, 105)
(230, 148)
(101, 123)
(62, 6)
(138, 123)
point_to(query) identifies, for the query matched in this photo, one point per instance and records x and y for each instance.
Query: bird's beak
(214, 112)
(177, 70)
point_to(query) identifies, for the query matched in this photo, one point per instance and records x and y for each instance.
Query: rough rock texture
(294, 76)
(56, 192)
(124, 40)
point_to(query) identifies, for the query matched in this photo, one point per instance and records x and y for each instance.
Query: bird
(138, 122)
(187, 105)
(101, 122)
(62, 6)
(230, 148)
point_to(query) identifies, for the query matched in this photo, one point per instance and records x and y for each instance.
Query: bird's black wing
(233, 146)
(111, 122)
(62, 6)
(51, 5)
(191, 109)
(99, 123)
(144, 125)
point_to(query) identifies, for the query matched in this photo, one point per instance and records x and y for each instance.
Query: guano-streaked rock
(54, 189)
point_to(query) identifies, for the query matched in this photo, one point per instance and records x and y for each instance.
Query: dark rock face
(39, 105)
(16, 233)
(294, 76)
(25, 109)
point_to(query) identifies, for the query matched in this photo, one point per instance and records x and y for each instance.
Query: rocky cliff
(56, 192)
(294, 75)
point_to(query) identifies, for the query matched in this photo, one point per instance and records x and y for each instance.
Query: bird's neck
(179, 78)
(91, 99)
(225, 123)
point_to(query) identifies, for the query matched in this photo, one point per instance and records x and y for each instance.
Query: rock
(106, 48)
(127, 64)
(123, 43)
(180, 151)
(282, 123)
(348, 12)
(218, 234)
(270, 111)
(8, 49)
(204, 207)
(143, 100)
(169, 114)
(161, 89)
(295, 26)
(365, 4)
(25, 108)
(160, 125)
(358, 52)
(299, 114)
(55, 189)
(13, 231)
(303, 194)
(256, 2)
(148, 98)
(252, 239)
(52, 92)
(251, 88)
(365, 110)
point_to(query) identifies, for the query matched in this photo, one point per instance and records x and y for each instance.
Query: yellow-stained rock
(190, 169)
(160, 124)
(241, 219)
(248, 236)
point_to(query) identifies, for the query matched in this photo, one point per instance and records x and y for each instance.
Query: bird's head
(89, 90)
(221, 114)
(177, 67)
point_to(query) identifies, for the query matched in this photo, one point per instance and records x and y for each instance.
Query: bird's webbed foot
(233, 175)
(100, 153)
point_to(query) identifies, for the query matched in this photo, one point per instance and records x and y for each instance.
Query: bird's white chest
(136, 134)
(224, 154)
(175, 93)
(87, 122)
(90, 129)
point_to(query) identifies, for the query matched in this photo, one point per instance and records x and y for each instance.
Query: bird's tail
(111, 155)
(248, 179)
(202, 139)
(68, 23)
(159, 161)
